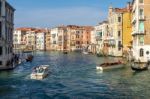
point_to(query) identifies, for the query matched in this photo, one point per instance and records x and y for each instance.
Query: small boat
(113, 65)
(86, 53)
(139, 67)
(29, 58)
(99, 55)
(65, 52)
(40, 72)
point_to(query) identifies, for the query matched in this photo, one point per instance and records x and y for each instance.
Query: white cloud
(54, 17)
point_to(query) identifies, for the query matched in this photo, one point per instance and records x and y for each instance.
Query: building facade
(6, 34)
(62, 39)
(74, 38)
(19, 39)
(48, 40)
(40, 40)
(101, 32)
(141, 29)
(24, 39)
(115, 17)
(54, 38)
(127, 30)
(86, 36)
(30, 40)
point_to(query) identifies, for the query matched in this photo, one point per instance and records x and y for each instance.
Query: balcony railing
(98, 37)
(138, 33)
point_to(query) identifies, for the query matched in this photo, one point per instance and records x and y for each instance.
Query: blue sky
(51, 13)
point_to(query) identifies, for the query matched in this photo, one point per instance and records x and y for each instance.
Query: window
(119, 33)
(141, 26)
(1, 50)
(119, 19)
(141, 12)
(0, 29)
(141, 40)
(77, 42)
(147, 52)
(0, 7)
(53, 35)
(54, 42)
(1, 63)
(141, 52)
(119, 45)
(141, 1)
(77, 36)
(6, 50)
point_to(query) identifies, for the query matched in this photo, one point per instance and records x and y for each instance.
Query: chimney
(128, 5)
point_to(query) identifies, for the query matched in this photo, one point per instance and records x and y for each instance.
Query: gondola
(99, 55)
(134, 67)
(29, 58)
(65, 52)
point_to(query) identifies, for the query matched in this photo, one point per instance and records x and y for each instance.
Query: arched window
(141, 52)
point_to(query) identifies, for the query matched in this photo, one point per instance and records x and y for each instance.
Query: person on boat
(148, 61)
(119, 62)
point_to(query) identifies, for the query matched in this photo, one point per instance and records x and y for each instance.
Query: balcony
(142, 18)
(138, 33)
(98, 38)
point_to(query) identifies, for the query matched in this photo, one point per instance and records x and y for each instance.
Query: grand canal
(73, 76)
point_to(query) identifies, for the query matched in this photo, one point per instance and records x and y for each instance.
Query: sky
(52, 13)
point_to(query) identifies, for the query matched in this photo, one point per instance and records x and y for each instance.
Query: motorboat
(110, 65)
(86, 53)
(40, 72)
(139, 67)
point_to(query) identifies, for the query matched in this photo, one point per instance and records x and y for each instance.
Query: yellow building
(120, 29)
(127, 29)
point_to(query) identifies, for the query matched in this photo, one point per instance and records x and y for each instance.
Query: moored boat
(99, 55)
(29, 58)
(40, 72)
(139, 67)
(65, 52)
(112, 65)
(86, 53)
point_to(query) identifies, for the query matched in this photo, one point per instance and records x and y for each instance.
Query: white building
(6, 31)
(93, 45)
(31, 40)
(141, 29)
(40, 40)
(101, 32)
(19, 39)
(115, 19)
(54, 38)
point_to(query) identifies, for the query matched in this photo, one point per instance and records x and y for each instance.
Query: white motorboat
(86, 53)
(40, 72)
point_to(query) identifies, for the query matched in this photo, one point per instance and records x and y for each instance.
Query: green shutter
(141, 26)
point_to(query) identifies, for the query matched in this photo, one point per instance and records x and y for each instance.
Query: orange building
(86, 36)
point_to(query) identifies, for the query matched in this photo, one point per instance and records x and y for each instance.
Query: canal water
(74, 76)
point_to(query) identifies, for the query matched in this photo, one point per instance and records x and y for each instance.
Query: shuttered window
(1, 50)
